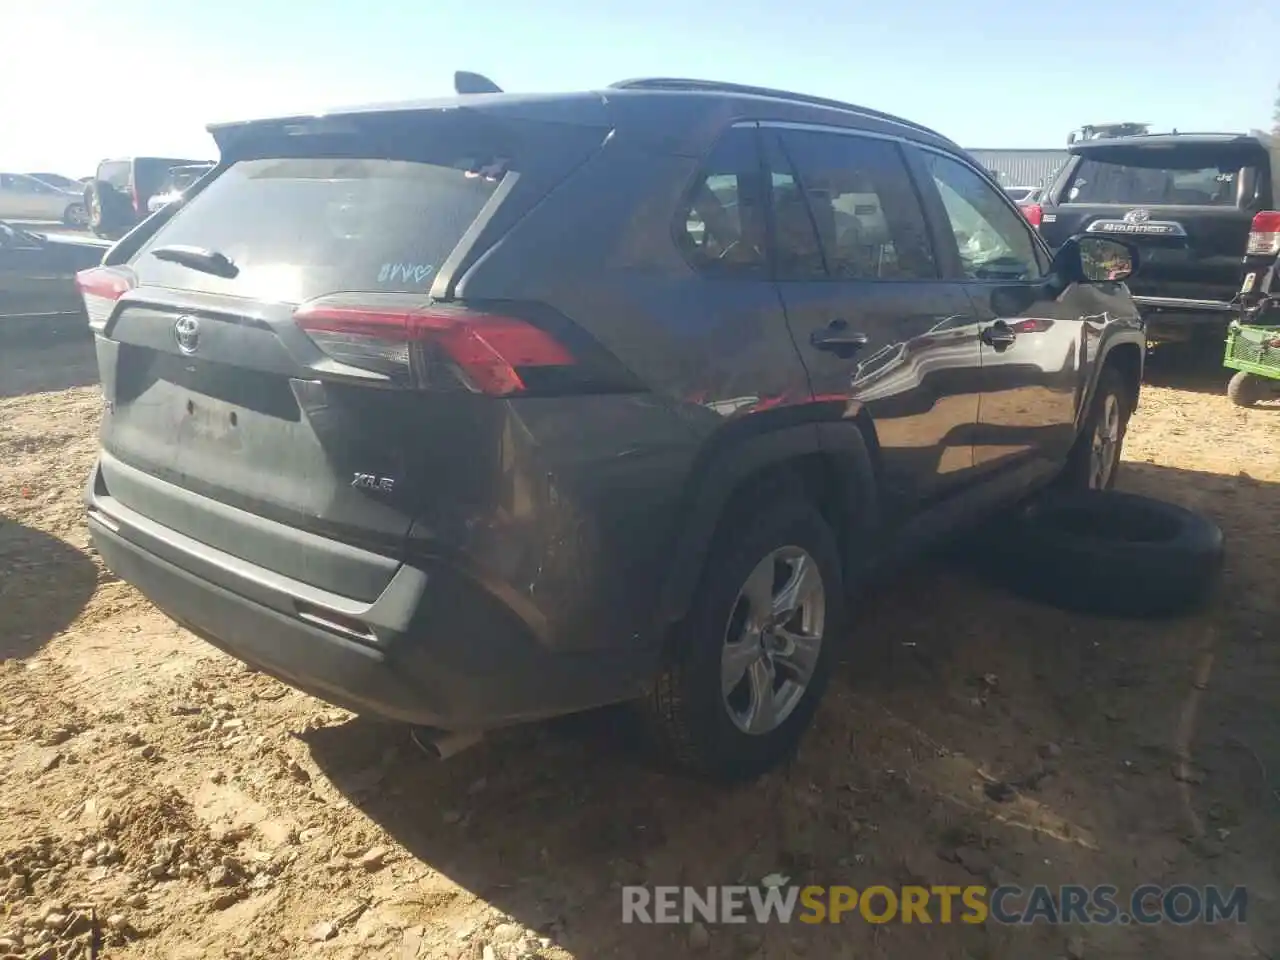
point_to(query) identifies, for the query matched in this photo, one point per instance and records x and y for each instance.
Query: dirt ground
(152, 788)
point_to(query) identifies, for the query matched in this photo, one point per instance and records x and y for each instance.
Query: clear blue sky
(85, 79)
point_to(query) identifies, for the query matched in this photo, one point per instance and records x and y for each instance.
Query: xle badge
(371, 481)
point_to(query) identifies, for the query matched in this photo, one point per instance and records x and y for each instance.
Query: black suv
(117, 196)
(1188, 201)
(477, 411)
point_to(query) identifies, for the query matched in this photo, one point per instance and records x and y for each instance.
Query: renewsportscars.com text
(1067, 904)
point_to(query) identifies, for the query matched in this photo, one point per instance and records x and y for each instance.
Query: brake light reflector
(1034, 213)
(100, 288)
(432, 347)
(1264, 235)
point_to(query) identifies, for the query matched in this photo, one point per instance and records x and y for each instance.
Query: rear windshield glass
(1157, 178)
(115, 173)
(299, 228)
(152, 172)
(182, 177)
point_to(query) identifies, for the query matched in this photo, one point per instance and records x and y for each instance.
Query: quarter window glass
(721, 230)
(994, 241)
(861, 203)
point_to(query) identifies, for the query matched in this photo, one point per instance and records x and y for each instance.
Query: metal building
(1021, 168)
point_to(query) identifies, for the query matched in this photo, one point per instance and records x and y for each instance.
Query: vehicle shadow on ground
(44, 363)
(29, 561)
(1184, 367)
(994, 741)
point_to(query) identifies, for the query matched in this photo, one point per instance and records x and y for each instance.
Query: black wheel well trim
(834, 462)
(1112, 354)
(1128, 355)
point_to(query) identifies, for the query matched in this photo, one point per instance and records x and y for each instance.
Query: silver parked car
(26, 198)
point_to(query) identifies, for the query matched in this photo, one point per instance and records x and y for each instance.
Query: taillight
(137, 199)
(1264, 235)
(101, 287)
(434, 347)
(1034, 213)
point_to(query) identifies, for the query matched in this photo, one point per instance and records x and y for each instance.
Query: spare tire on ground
(1108, 553)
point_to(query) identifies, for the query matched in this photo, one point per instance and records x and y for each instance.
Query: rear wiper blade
(198, 258)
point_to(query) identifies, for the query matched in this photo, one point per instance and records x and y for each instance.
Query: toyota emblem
(186, 331)
(1137, 216)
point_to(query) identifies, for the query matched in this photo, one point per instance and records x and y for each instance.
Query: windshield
(1155, 178)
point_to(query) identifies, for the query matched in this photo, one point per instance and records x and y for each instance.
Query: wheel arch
(832, 463)
(1127, 358)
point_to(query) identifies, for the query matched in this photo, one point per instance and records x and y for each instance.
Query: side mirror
(1088, 259)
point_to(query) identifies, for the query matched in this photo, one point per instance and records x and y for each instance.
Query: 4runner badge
(1138, 222)
(370, 481)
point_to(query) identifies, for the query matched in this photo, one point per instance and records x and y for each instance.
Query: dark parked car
(117, 196)
(475, 411)
(1188, 201)
(37, 280)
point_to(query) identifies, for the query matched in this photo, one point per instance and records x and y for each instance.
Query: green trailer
(1253, 338)
(1254, 353)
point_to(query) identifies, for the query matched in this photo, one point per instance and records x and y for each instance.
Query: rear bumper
(454, 660)
(1173, 319)
(1210, 309)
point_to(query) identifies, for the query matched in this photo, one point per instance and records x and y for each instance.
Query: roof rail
(1157, 134)
(711, 86)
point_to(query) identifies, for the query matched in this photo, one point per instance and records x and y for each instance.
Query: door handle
(999, 335)
(837, 338)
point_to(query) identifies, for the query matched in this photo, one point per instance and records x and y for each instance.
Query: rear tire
(76, 216)
(1094, 461)
(705, 722)
(1246, 389)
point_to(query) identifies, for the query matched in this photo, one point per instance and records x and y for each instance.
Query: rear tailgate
(1187, 252)
(1187, 208)
(223, 415)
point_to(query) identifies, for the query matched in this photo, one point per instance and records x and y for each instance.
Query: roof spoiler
(465, 82)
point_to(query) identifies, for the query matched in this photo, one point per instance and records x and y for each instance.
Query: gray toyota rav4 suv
(476, 411)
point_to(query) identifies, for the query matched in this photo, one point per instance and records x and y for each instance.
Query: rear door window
(1154, 177)
(302, 227)
(856, 194)
(16, 183)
